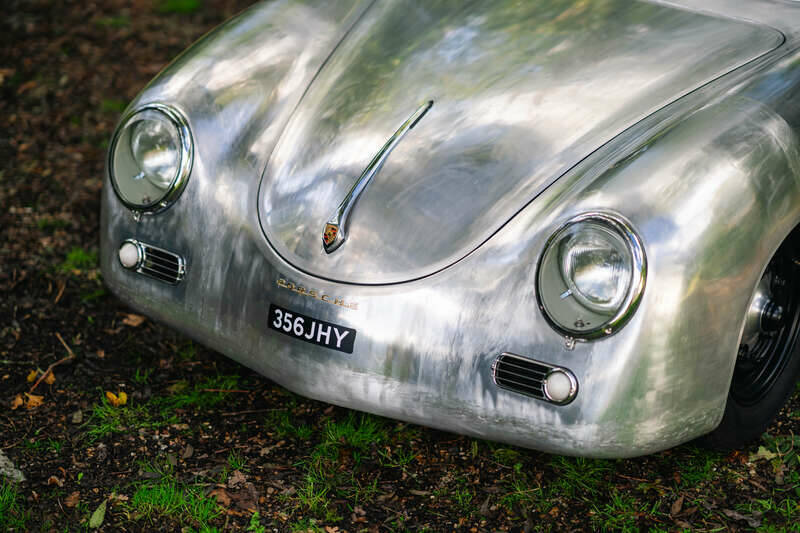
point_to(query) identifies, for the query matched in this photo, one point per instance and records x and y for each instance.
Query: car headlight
(591, 275)
(151, 157)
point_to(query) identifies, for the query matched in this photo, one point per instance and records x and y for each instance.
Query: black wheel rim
(760, 364)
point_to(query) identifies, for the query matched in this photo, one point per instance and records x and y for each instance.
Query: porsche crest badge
(329, 235)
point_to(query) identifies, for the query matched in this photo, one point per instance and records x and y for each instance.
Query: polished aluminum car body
(679, 119)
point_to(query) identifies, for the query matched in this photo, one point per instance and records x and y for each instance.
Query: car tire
(768, 362)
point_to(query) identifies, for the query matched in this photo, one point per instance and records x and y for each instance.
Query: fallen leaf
(98, 516)
(187, 452)
(17, 401)
(133, 320)
(32, 376)
(101, 354)
(237, 478)
(28, 85)
(77, 417)
(73, 499)
(752, 521)
(180, 386)
(222, 497)
(763, 454)
(53, 480)
(50, 378)
(676, 506)
(33, 401)
(116, 399)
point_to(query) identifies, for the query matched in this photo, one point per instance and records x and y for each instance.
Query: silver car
(568, 225)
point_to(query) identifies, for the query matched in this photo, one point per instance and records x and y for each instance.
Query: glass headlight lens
(155, 147)
(150, 157)
(591, 275)
(596, 266)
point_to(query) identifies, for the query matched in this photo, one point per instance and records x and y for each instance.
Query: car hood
(521, 92)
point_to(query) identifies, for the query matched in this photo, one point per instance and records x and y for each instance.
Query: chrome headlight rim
(185, 161)
(624, 229)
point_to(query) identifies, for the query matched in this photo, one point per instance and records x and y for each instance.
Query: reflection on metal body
(683, 122)
(335, 231)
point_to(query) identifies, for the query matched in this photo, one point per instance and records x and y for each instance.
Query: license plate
(311, 330)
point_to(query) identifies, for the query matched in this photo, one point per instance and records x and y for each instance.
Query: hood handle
(335, 232)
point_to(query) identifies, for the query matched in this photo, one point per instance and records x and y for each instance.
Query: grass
(168, 498)
(254, 525)
(105, 419)
(142, 376)
(203, 395)
(178, 6)
(237, 461)
(578, 477)
(699, 467)
(621, 513)
(113, 105)
(342, 442)
(118, 21)
(51, 445)
(50, 224)
(12, 517)
(281, 425)
(79, 259)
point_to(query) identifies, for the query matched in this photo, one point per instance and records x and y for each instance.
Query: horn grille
(158, 263)
(525, 376)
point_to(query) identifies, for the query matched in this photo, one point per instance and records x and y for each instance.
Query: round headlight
(591, 275)
(151, 157)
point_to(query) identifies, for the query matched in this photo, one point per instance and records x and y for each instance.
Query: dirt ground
(137, 428)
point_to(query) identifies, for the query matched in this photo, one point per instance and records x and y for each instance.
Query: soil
(224, 433)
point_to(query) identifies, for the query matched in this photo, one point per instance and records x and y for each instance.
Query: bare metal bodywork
(682, 117)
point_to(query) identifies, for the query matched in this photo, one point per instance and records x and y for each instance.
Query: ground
(137, 428)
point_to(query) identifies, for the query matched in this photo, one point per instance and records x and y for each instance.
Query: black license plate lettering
(308, 329)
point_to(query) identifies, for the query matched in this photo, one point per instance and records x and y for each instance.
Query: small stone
(77, 417)
(8, 469)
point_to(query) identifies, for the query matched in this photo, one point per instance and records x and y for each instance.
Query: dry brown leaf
(676, 506)
(222, 497)
(33, 401)
(50, 378)
(32, 376)
(133, 320)
(73, 499)
(116, 399)
(101, 354)
(17, 401)
(53, 480)
(237, 478)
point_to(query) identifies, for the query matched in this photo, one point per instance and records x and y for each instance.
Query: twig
(61, 286)
(634, 478)
(50, 368)
(253, 411)
(8, 362)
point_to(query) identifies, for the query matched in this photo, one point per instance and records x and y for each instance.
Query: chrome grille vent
(153, 261)
(529, 377)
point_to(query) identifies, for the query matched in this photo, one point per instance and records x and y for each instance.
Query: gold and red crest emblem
(330, 234)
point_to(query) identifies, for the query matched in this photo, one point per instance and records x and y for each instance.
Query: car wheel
(768, 363)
